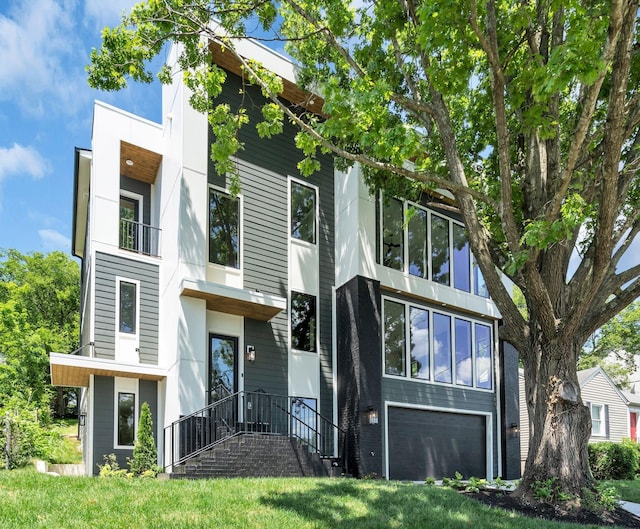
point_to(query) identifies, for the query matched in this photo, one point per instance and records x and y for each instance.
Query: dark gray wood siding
(106, 268)
(139, 188)
(103, 418)
(435, 444)
(264, 166)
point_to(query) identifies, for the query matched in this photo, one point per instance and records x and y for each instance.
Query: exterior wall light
(372, 415)
(251, 353)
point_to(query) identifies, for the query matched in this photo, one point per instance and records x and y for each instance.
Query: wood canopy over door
(424, 443)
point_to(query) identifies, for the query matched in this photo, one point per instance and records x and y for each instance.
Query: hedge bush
(614, 460)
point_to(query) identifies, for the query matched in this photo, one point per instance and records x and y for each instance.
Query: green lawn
(627, 490)
(30, 500)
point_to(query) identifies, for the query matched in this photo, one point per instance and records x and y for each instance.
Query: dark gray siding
(140, 188)
(106, 268)
(103, 418)
(264, 181)
(509, 401)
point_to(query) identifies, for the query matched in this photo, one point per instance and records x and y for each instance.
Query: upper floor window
(303, 322)
(440, 347)
(224, 229)
(303, 212)
(425, 244)
(127, 307)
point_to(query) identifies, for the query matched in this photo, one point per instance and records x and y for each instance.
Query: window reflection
(419, 319)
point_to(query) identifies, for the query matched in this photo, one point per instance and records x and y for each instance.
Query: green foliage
(430, 481)
(111, 468)
(614, 460)
(145, 454)
(603, 498)
(39, 312)
(544, 490)
(615, 346)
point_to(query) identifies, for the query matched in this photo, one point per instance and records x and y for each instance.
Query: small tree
(145, 452)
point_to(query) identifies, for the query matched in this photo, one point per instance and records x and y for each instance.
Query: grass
(64, 446)
(31, 500)
(627, 490)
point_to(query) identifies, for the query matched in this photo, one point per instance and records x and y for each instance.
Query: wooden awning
(237, 301)
(74, 371)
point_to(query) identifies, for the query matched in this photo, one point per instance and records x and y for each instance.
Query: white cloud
(17, 160)
(41, 68)
(107, 13)
(54, 240)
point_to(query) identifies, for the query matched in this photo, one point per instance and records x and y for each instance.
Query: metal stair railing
(253, 412)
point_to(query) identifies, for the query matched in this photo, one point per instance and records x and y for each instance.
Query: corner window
(127, 307)
(303, 322)
(394, 338)
(423, 344)
(224, 232)
(597, 420)
(392, 234)
(417, 241)
(303, 212)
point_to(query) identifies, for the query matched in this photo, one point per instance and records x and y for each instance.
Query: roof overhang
(82, 182)
(74, 371)
(139, 163)
(232, 60)
(232, 300)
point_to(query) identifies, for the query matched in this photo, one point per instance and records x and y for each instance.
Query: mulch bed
(504, 500)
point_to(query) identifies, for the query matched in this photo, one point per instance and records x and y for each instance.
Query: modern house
(611, 409)
(302, 309)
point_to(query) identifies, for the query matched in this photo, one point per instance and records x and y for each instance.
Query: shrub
(614, 460)
(145, 454)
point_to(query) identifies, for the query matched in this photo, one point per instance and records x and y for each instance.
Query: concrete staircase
(256, 455)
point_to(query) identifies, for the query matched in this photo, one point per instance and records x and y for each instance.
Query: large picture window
(303, 212)
(303, 322)
(421, 243)
(224, 229)
(440, 347)
(127, 313)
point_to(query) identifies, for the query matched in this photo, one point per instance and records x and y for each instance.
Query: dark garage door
(436, 444)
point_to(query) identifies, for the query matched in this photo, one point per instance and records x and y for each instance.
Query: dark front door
(223, 366)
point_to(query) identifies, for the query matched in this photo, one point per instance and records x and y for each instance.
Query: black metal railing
(139, 237)
(253, 412)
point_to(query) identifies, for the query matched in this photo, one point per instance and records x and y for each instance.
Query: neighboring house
(633, 400)
(302, 307)
(609, 408)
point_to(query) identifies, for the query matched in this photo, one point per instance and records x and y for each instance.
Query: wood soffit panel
(226, 59)
(237, 307)
(145, 162)
(77, 376)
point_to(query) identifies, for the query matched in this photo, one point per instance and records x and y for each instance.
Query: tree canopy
(528, 113)
(39, 313)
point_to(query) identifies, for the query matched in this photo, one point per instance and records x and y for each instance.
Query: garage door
(436, 444)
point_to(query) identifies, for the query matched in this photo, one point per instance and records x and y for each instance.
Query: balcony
(140, 238)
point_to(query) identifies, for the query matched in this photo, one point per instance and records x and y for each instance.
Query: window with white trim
(127, 307)
(303, 212)
(597, 420)
(125, 412)
(432, 345)
(422, 243)
(303, 322)
(224, 229)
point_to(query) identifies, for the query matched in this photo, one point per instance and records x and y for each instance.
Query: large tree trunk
(560, 424)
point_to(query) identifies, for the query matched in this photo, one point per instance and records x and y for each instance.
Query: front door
(223, 366)
(129, 223)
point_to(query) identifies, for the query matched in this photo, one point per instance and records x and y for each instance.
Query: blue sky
(46, 111)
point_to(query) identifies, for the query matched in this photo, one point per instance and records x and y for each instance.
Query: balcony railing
(140, 238)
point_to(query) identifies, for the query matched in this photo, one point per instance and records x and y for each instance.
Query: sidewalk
(633, 508)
